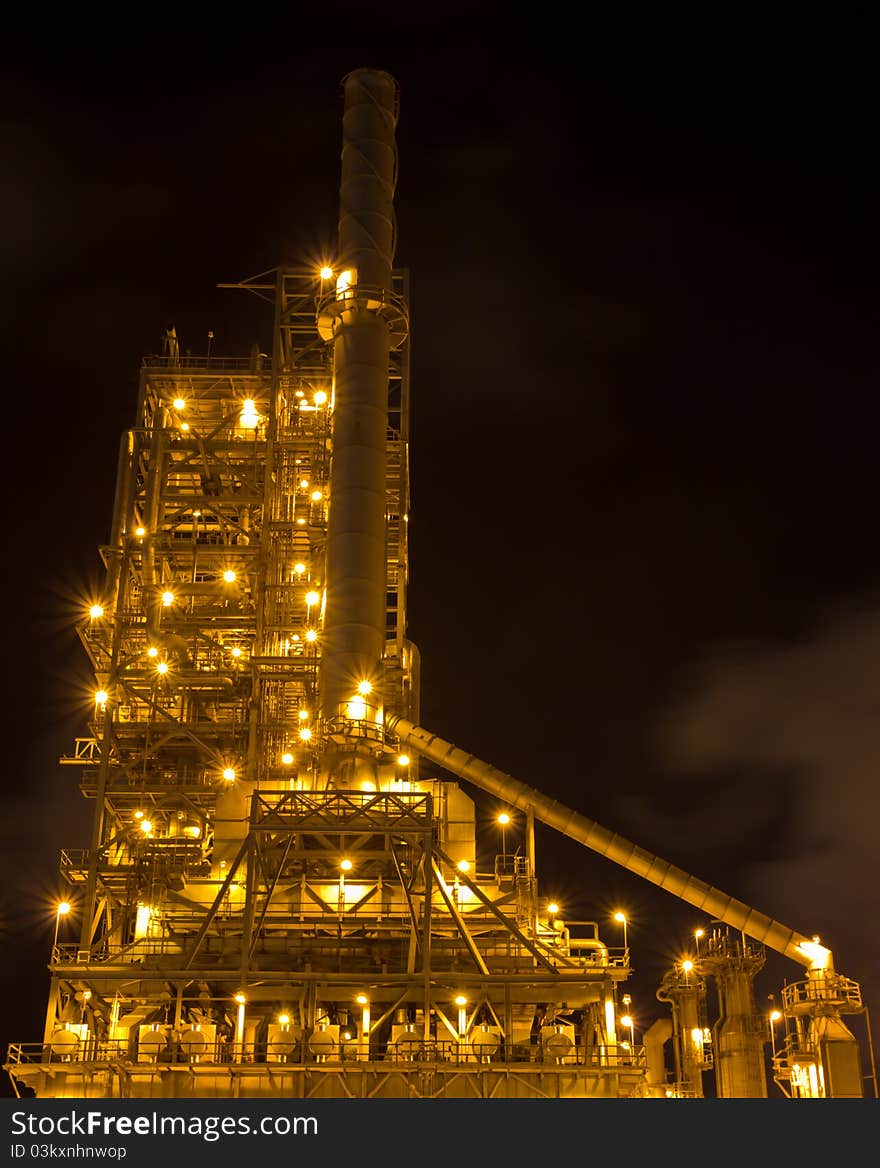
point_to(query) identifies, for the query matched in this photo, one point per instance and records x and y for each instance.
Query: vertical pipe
(353, 640)
(121, 509)
(90, 895)
(152, 512)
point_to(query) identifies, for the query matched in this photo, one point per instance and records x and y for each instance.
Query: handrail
(168, 1047)
(197, 361)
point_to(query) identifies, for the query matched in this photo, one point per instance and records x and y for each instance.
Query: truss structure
(248, 928)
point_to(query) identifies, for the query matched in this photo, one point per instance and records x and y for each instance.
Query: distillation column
(685, 992)
(739, 1032)
(354, 621)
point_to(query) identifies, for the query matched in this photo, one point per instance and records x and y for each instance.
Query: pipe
(609, 844)
(353, 640)
(121, 510)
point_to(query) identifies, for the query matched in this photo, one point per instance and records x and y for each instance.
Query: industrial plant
(285, 894)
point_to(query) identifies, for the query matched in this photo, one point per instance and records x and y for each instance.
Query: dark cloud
(775, 752)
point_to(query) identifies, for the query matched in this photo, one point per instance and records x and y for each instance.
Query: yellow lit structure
(321, 919)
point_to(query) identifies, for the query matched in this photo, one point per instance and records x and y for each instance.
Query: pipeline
(609, 844)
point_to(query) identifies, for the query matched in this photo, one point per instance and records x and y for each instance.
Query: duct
(654, 1039)
(609, 844)
(839, 1053)
(121, 502)
(121, 508)
(353, 642)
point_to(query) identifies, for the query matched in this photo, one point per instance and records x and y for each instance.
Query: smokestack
(357, 319)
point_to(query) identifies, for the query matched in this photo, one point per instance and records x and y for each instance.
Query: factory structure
(283, 895)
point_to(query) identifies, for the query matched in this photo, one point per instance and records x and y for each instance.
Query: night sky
(645, 574)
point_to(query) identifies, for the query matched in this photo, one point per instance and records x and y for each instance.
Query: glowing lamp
(356, 709)
(249, 418)
(344, 281)
(820, 957)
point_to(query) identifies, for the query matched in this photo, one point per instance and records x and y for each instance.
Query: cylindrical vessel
(353, 641)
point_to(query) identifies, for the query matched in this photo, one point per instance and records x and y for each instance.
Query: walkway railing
(162, 1050)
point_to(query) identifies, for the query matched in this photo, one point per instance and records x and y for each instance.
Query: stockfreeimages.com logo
(207, 1127)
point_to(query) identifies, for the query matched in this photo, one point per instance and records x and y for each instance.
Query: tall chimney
(353, 641)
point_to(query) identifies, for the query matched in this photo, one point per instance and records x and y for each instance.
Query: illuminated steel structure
(277, 901)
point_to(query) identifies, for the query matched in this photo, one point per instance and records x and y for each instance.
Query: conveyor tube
(614, 847)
